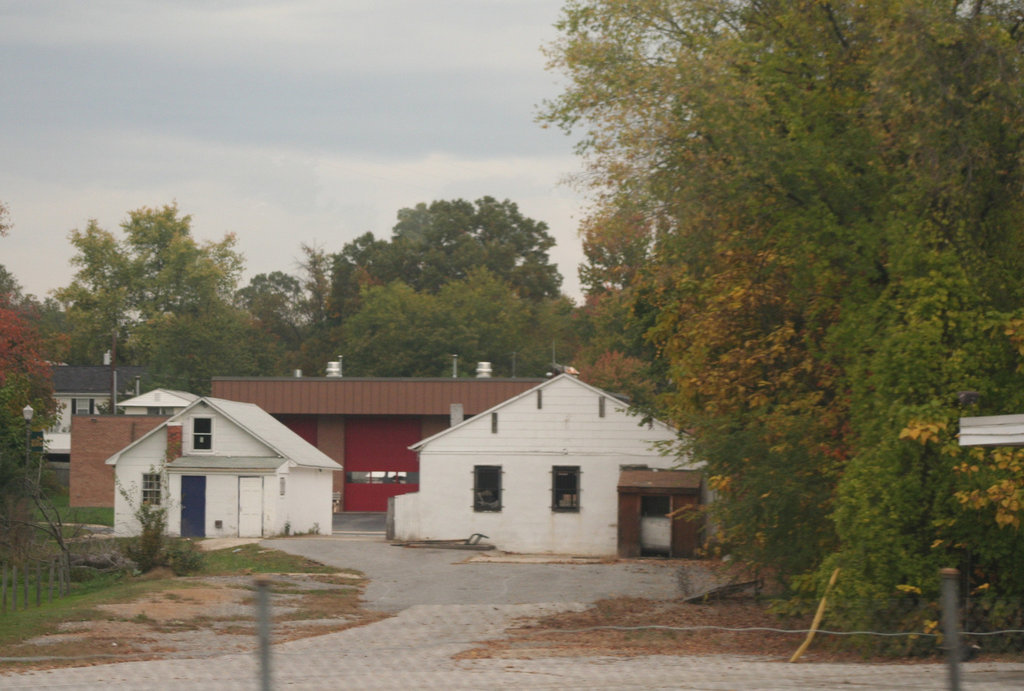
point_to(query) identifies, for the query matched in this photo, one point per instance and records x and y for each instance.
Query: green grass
(252, 558)
(94, 515)
(76, 606)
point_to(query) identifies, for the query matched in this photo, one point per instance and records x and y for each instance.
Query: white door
(250, 507)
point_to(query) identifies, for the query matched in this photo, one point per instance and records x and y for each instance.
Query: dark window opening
(600, 407)
(540, 400)
(565, 488)
(494, 423)
(202, 434)
(487, 488)
(655, 507)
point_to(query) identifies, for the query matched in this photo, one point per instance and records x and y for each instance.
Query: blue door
(193, 506)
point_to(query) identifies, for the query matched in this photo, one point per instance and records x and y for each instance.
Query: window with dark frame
(151, 489)
(202, 434)
(565, 488)
(487, 488)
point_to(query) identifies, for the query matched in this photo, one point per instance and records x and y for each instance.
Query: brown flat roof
(356, 396)
(660, 479)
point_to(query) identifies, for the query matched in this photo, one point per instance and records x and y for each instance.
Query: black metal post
(263, 628)
(951, 624)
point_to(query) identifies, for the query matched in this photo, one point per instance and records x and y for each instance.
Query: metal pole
(263, 629)
(950, 625)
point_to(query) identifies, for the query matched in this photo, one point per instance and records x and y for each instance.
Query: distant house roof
(160, 398)
(93, 378)
(374, 396)
(284, 443)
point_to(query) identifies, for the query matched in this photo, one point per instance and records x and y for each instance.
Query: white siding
(147, 457)
(566, 431)
(307, 504)
(228, 438)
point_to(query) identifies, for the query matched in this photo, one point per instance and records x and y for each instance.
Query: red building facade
(367, 425)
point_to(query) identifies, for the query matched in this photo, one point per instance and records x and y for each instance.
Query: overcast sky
(284, 122)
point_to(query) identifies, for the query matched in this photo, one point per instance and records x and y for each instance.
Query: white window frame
(193, 434)
(152, 486)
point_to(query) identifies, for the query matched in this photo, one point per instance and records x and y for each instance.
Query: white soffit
(992, 430)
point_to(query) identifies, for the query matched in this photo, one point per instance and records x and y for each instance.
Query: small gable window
(202, 434)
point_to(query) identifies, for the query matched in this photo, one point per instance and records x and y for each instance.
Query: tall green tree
(166, 298)
(434, 244)
(401, 332)
(830, 193)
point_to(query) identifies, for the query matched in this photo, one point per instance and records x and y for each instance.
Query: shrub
(184, 557)
(147, 549)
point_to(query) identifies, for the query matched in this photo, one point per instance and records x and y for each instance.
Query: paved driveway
(402, 577)
(443, 607)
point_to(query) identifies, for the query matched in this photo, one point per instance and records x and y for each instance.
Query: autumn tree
(25, 379)
(826, 198)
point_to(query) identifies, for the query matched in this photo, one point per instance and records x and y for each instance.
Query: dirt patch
(630, 627)
(198, 617)
(184, 604)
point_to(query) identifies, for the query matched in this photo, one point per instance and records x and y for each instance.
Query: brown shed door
(685, 527)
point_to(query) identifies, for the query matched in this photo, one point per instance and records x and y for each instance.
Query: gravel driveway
(443, 607)
(402, 577)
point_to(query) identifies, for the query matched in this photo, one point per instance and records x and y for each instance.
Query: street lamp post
(26, 413)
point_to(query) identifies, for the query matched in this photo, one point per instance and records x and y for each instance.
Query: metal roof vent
(297, 374)
(483, 370)
(334, 369)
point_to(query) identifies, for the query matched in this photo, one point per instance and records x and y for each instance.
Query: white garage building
(549, 471)
(225, 469)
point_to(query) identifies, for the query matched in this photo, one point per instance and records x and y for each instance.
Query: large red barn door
(378, 462)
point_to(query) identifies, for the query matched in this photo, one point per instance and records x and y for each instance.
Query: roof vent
(483, 370)
(297, 374)
(334, 369)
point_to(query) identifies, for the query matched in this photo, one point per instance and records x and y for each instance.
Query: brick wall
(94, 439)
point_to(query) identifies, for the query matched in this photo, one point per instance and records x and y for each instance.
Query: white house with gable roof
(225, 469)
(562, 468)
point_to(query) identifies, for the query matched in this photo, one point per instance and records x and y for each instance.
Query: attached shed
(225, 469)
(537, 473)
(658, 512)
